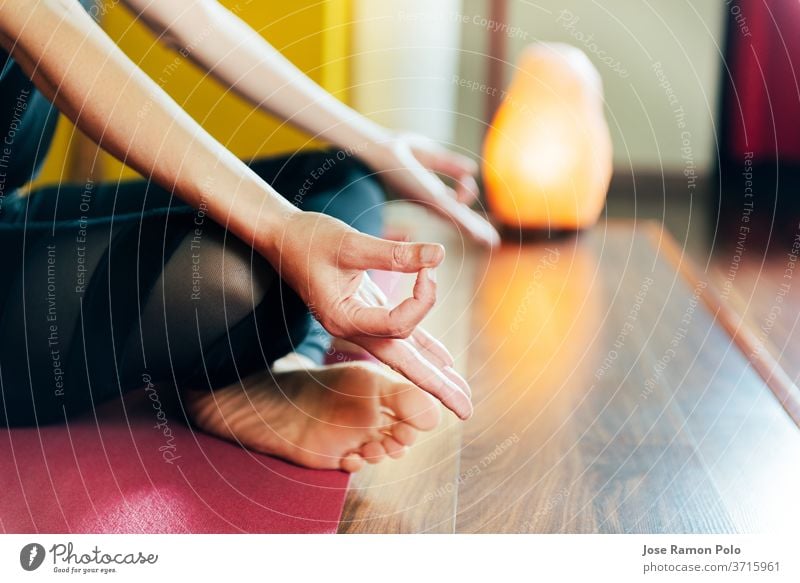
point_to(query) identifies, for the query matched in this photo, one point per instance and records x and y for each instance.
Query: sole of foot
(329, 417)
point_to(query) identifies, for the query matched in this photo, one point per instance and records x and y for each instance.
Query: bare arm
(222, 44)
(230, 50)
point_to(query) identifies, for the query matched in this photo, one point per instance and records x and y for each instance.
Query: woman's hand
(408, 165)
(325, 262)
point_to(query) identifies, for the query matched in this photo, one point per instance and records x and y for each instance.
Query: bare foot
(329, 417)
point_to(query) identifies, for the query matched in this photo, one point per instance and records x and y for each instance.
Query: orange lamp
(547, 156)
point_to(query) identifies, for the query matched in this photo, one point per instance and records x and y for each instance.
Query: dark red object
(762, 109)
(112, 475)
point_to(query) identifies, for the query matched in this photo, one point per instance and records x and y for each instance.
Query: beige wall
(635, 35)
(405, 54)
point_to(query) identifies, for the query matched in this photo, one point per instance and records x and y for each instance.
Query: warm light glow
(547, 155)
(541, 305)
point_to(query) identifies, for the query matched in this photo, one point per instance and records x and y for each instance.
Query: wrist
(268, 225)
(256, 214)
(378, 152)
(381, 155)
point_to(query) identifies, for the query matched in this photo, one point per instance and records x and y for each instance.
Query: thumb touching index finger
(366, 252)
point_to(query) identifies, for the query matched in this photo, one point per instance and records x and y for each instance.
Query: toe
(414, 406)
(352, 463)
(373, 452)
(394, 449)
(404, 434)
(314, 459)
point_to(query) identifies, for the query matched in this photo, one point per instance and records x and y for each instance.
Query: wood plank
(414, 494)
(759, 304)
(586, 421)
(744, 436)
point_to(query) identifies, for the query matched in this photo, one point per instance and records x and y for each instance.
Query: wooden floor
(610, 396)
(760, 291)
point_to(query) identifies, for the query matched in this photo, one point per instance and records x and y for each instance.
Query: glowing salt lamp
(547, 155)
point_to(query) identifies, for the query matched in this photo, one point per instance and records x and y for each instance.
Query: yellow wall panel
(313, 34)
(336, 48)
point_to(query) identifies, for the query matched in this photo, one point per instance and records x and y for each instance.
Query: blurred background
(701, 97)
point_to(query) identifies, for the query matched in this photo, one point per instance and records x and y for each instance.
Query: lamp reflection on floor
(540, 309)
(536, 314)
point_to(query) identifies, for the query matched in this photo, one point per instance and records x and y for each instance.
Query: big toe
(352, 463)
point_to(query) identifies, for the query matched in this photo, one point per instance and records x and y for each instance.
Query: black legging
(105, 286)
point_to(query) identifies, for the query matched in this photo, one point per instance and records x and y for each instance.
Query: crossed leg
(138, 308)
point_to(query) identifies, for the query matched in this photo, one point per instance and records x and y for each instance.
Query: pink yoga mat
(122, 473)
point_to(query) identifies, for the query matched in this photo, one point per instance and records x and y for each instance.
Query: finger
(400, 321)
(446, 162)
(435, 350)
(460, 168)
(467, 190)
(453, 375)
(446, 367)
(444, 201)
(475, 226)
(405, 359)
(360, 251)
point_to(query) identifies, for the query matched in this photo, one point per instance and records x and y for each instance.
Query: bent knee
(235, 276)
(355, 197)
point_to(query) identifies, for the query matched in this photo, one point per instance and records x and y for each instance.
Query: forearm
(222, 44)
(74, 63)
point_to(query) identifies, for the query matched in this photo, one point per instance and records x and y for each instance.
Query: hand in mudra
(410, 166)
(325, 262)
